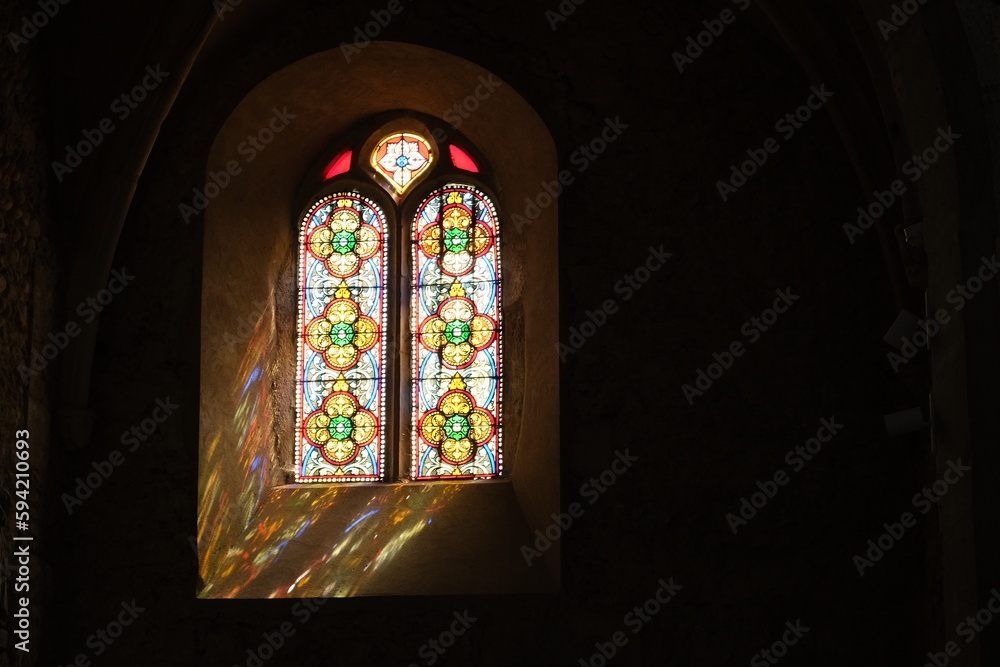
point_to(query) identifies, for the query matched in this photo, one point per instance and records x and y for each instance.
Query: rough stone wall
(27, 289)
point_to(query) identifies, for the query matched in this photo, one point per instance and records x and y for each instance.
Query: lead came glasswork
(401, 157)
(341, 350)
(456, 325)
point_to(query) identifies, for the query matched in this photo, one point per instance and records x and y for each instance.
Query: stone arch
(245, 393)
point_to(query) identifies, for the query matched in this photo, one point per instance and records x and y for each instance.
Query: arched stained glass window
(431, 409)
(455, 319)
(283, 509)
(341, 365)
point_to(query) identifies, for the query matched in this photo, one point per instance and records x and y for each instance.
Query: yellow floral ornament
(340, 428)
(342, 333)
(457, 427)
(456, 241)
(457, 332)
(344, 241)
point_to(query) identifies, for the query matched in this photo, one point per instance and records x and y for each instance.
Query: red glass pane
(462, 160)
(340, 164)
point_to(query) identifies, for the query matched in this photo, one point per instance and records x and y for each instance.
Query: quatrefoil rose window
(401, 158)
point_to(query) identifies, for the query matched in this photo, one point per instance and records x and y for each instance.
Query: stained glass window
(401, 157)
(455, 329)
(341, 347)
(350, 316)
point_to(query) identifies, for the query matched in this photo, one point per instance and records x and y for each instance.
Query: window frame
(334, 186)
(399, 210)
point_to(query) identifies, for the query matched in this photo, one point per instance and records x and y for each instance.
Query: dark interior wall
(28, 270)
(979, 240)
(653, 186)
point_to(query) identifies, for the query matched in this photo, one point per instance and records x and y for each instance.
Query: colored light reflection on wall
(308, 556)
(239, 462)
(252, 527)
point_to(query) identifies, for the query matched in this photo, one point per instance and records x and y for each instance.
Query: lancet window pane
(341, 345)
(456, 336)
